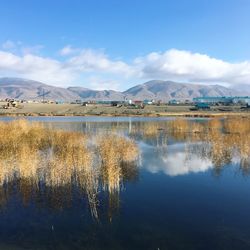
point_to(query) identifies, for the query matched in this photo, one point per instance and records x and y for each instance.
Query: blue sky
(116, 44)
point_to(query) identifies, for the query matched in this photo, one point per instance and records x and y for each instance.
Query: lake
(188, 189)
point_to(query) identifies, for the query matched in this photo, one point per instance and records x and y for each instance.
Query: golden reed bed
(33, 154)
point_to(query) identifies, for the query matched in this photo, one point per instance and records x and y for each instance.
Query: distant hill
(32, 90)
(19, 88)
(244, 88)
(166, 90)
(99, 95)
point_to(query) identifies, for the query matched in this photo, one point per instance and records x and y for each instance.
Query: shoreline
(69, 110)
(165, 114)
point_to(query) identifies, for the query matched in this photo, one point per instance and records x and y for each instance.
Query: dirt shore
(40, 109)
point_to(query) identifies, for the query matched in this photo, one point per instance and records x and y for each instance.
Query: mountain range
(25, 89)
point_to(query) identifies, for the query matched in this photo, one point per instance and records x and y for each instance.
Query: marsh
(124, 183)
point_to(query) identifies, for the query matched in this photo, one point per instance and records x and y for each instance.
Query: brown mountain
(159, 90)
(98, 95)
(19, 88)
(166, 90)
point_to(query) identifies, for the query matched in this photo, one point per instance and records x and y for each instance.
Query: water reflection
(196, 146)
(177, 160)
(77, 185)
(38, 163)
(50, 167)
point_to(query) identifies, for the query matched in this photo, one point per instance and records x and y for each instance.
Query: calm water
(180, 196)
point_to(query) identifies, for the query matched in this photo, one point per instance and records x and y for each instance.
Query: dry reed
(114, 151)
(31, 154)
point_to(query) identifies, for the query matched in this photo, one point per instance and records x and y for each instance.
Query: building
(174, 102)
(214, 100)
(148, 102)
(223, 100)
(242, 100)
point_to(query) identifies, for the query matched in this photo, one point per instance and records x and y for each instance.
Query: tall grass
(114, 151)
(225, 138)
(237, 125)
(32, 154)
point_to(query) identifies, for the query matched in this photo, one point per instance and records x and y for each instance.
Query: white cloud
(35, 67)
(68, 50)
(100, 83)
(8, 45)
(32, 49)
(193, 67)
(19, 48)
(96, 60)
(88, 64)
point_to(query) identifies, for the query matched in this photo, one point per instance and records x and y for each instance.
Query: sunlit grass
(115, 151)
(214, 124)
(32, 154)
(237, 125)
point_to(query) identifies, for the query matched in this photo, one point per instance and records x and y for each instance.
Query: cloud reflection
(176, 160)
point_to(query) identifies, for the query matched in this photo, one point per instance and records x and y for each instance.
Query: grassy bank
(39, 109)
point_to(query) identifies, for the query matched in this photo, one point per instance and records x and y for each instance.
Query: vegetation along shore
(67, 109)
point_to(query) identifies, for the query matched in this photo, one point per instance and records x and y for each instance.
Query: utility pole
(43, 95)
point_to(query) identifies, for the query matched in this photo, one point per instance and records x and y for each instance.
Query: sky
(115, 44)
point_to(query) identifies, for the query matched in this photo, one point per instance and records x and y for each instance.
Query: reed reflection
(51, 165)
(215, 143)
